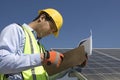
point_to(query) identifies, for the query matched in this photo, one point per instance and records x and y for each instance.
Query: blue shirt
(12, 58)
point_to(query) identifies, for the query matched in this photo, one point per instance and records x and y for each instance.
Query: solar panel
(103, 64)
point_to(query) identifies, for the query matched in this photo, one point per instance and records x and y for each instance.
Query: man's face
(45, 28)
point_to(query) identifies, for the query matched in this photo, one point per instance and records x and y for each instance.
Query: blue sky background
(102, 16)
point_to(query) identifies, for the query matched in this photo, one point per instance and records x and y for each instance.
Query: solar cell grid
(102, 67)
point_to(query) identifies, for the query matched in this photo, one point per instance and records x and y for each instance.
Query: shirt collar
(34, 32)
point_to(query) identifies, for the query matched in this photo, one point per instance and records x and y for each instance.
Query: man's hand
(53, 57)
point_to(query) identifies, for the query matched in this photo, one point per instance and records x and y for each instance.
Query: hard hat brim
(56, 34)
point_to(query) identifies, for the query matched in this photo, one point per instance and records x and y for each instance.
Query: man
(21, 54)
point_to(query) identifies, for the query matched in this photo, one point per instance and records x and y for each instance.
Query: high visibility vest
(1, 76)
(31, 46)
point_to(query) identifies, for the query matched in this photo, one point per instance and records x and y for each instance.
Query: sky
(80, 16)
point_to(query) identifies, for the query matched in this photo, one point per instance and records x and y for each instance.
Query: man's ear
(42, 18)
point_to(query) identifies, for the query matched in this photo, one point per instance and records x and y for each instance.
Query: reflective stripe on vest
(31, 46)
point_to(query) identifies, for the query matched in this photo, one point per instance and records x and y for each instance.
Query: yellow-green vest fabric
(31, 46)
(1, 76)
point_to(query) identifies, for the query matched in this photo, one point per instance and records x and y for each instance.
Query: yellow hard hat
(56, 16)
